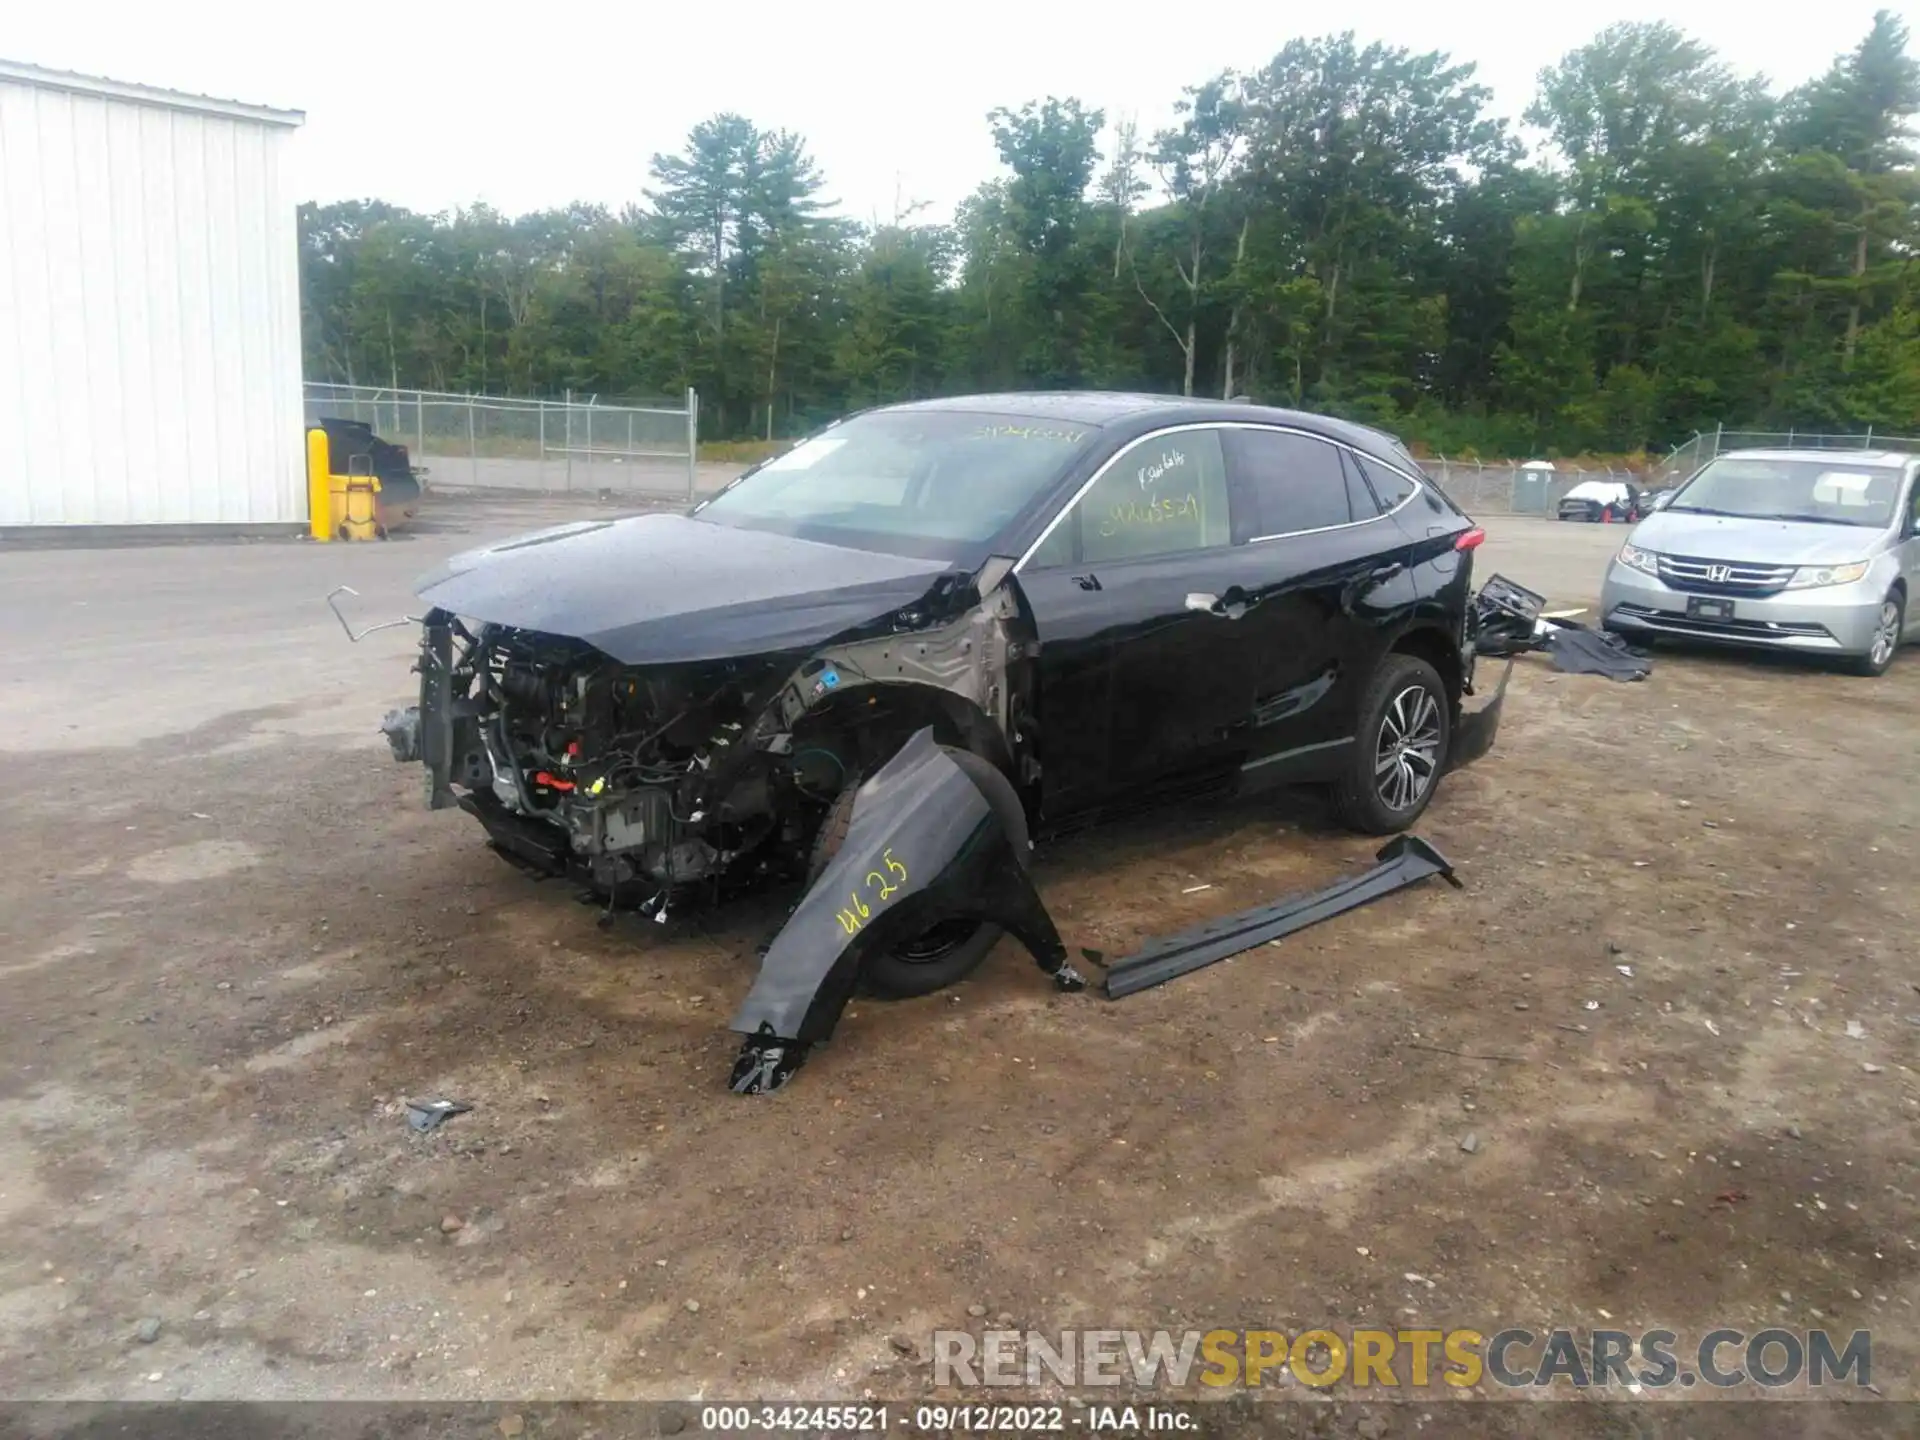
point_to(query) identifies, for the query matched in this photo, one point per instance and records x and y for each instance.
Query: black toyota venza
(1093, 602)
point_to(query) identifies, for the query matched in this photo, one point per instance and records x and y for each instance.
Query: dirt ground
(232, 941)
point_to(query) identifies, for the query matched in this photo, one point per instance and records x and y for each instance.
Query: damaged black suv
(1092, 602)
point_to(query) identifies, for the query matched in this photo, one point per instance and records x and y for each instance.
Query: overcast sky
(526, 106)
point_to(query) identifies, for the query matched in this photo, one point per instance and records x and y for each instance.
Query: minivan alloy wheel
(1886, 635)
(1408, 754)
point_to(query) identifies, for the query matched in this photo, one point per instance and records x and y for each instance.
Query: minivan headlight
(1645, 561)
(1808, 576)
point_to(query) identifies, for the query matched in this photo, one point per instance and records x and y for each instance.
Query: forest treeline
(1344, 228)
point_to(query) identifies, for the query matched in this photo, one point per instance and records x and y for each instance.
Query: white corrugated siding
(149, 315)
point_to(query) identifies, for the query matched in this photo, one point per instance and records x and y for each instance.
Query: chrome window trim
(1098, 475)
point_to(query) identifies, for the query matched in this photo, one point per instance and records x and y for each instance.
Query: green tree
(1050, 147)
(1343, 227)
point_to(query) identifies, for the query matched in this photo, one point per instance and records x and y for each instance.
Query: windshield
(933, 483)
(1825, 490)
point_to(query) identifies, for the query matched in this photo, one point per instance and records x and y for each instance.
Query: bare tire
(951, 950)
(1886, 637)
(1399, 750)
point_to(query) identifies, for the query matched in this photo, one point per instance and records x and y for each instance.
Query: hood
(663, 589)
(1739, 540)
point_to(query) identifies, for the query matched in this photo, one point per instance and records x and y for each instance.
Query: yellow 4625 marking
(881, 883)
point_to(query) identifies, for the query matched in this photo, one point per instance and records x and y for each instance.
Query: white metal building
(149, 308)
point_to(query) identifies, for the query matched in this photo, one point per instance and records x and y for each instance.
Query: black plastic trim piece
(527, 842)
(1404, 860)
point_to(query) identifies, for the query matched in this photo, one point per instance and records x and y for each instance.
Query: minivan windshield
(1821, 489)
(928, 483)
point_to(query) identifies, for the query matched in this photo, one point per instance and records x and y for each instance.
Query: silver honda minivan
(1809, 550)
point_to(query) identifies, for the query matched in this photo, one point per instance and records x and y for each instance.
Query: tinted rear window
(1391, 486)
(1284, 483)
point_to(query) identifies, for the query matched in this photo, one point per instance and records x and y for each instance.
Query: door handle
(1232, 608)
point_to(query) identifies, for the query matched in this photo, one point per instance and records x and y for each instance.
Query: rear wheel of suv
(1886, 637)
(949, 952)
(1400, 747)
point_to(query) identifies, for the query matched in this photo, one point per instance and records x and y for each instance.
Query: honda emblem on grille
(1719, 574)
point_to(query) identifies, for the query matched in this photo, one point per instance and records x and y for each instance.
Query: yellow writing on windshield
(1029, 432)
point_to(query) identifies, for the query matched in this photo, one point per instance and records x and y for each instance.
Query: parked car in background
(1816, 551)
(1604, 500)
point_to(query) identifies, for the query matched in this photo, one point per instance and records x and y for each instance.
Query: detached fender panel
(923, 846)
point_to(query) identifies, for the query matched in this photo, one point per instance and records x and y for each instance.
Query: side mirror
(1661, 501)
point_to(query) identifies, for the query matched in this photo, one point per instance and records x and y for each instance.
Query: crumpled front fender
(924, 845)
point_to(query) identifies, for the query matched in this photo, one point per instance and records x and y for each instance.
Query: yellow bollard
(319, 485)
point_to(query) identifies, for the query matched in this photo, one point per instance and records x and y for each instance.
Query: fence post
(473, 446)
(589, 443)
(543, 444)
(1867, 444)
(693, 444)
(420, 421)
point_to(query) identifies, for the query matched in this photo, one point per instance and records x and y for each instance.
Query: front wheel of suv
(952, 949)
(1400, 748)
(1888, 626)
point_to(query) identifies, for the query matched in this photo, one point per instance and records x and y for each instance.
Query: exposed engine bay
(614, 756)
(643, 779)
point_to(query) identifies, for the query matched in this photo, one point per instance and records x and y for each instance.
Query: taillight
(1469, 539)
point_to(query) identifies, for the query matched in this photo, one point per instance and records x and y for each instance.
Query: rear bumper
(1831, 620)
(1478, 722)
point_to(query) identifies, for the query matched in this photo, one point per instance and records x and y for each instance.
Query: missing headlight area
(643, 778)
(575, 762)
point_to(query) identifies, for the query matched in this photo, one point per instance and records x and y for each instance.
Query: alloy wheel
(1407, 756)
(1886, 635)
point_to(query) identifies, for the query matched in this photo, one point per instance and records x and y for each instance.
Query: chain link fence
(1515, 488)
(485, 442)
(595, 447)
(1691, 455)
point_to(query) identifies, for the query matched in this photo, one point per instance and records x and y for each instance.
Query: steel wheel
(937, 943)
(1407, 756)
(1886, 636)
